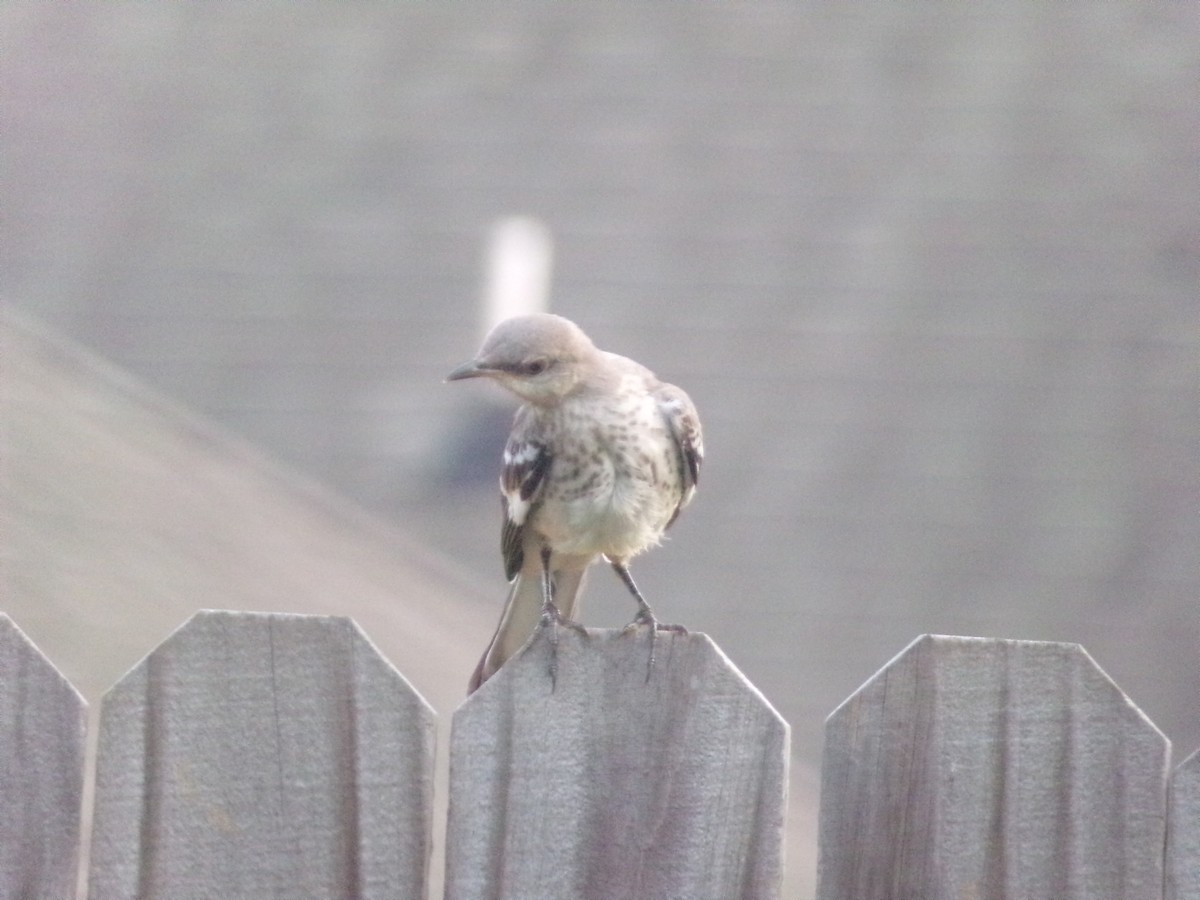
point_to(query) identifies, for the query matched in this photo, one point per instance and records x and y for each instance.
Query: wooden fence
(281, 756)
(278, 756)
(972, 767)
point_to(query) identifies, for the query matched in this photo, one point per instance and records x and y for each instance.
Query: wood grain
(612, 785)
(972, 767)
(43, 723)
(255, 755)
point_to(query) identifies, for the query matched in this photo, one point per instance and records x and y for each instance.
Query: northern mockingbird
(601, 459)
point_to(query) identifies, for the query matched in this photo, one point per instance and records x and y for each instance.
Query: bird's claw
(657, 626)
(552, 620)
(646, 619)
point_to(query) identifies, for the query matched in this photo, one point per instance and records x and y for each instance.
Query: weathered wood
(986, 768)
(1183, 831)
(255, 755)
(612, 786)
(43, 724)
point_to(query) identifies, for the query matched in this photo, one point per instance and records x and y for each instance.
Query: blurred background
(929, 271)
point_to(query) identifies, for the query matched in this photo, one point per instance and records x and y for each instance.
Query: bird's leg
(552, 617)
(645, 616)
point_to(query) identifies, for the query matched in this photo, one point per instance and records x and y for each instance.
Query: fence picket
(1183, 831)
(611, 785)
(256, 755)
(279, 755)
(43, 723)
(971, 767)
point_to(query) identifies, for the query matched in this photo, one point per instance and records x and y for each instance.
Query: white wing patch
(521, 454)
(526, 463)
(517, 507)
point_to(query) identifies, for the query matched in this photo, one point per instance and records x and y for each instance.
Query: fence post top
(18, 641)
(621, 660)
(611, 783)
(205, 622)
(953, 657)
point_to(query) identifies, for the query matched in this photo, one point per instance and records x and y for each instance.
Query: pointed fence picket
(1183, 831)
(43, 721)
(256, 755)
(619, 782)
(989, 768)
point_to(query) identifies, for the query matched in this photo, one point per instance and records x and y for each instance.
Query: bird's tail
(521, 615)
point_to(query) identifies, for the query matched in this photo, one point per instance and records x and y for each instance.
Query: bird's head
(540, 358)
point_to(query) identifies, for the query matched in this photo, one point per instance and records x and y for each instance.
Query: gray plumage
(601, 459)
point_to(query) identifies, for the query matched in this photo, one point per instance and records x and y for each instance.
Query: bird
(601, 459)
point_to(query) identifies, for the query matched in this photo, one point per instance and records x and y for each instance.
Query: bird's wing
(526, 462)
(684, 422)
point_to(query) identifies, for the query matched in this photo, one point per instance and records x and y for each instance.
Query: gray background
(928, 270)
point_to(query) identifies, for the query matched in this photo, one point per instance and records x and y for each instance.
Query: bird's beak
(470, 369)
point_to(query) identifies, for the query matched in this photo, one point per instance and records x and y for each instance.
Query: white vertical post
(520, 256)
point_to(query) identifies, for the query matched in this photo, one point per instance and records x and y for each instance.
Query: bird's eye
(535, 367)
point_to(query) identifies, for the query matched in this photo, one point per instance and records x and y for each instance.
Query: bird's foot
(552, 620)
(645, 618)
